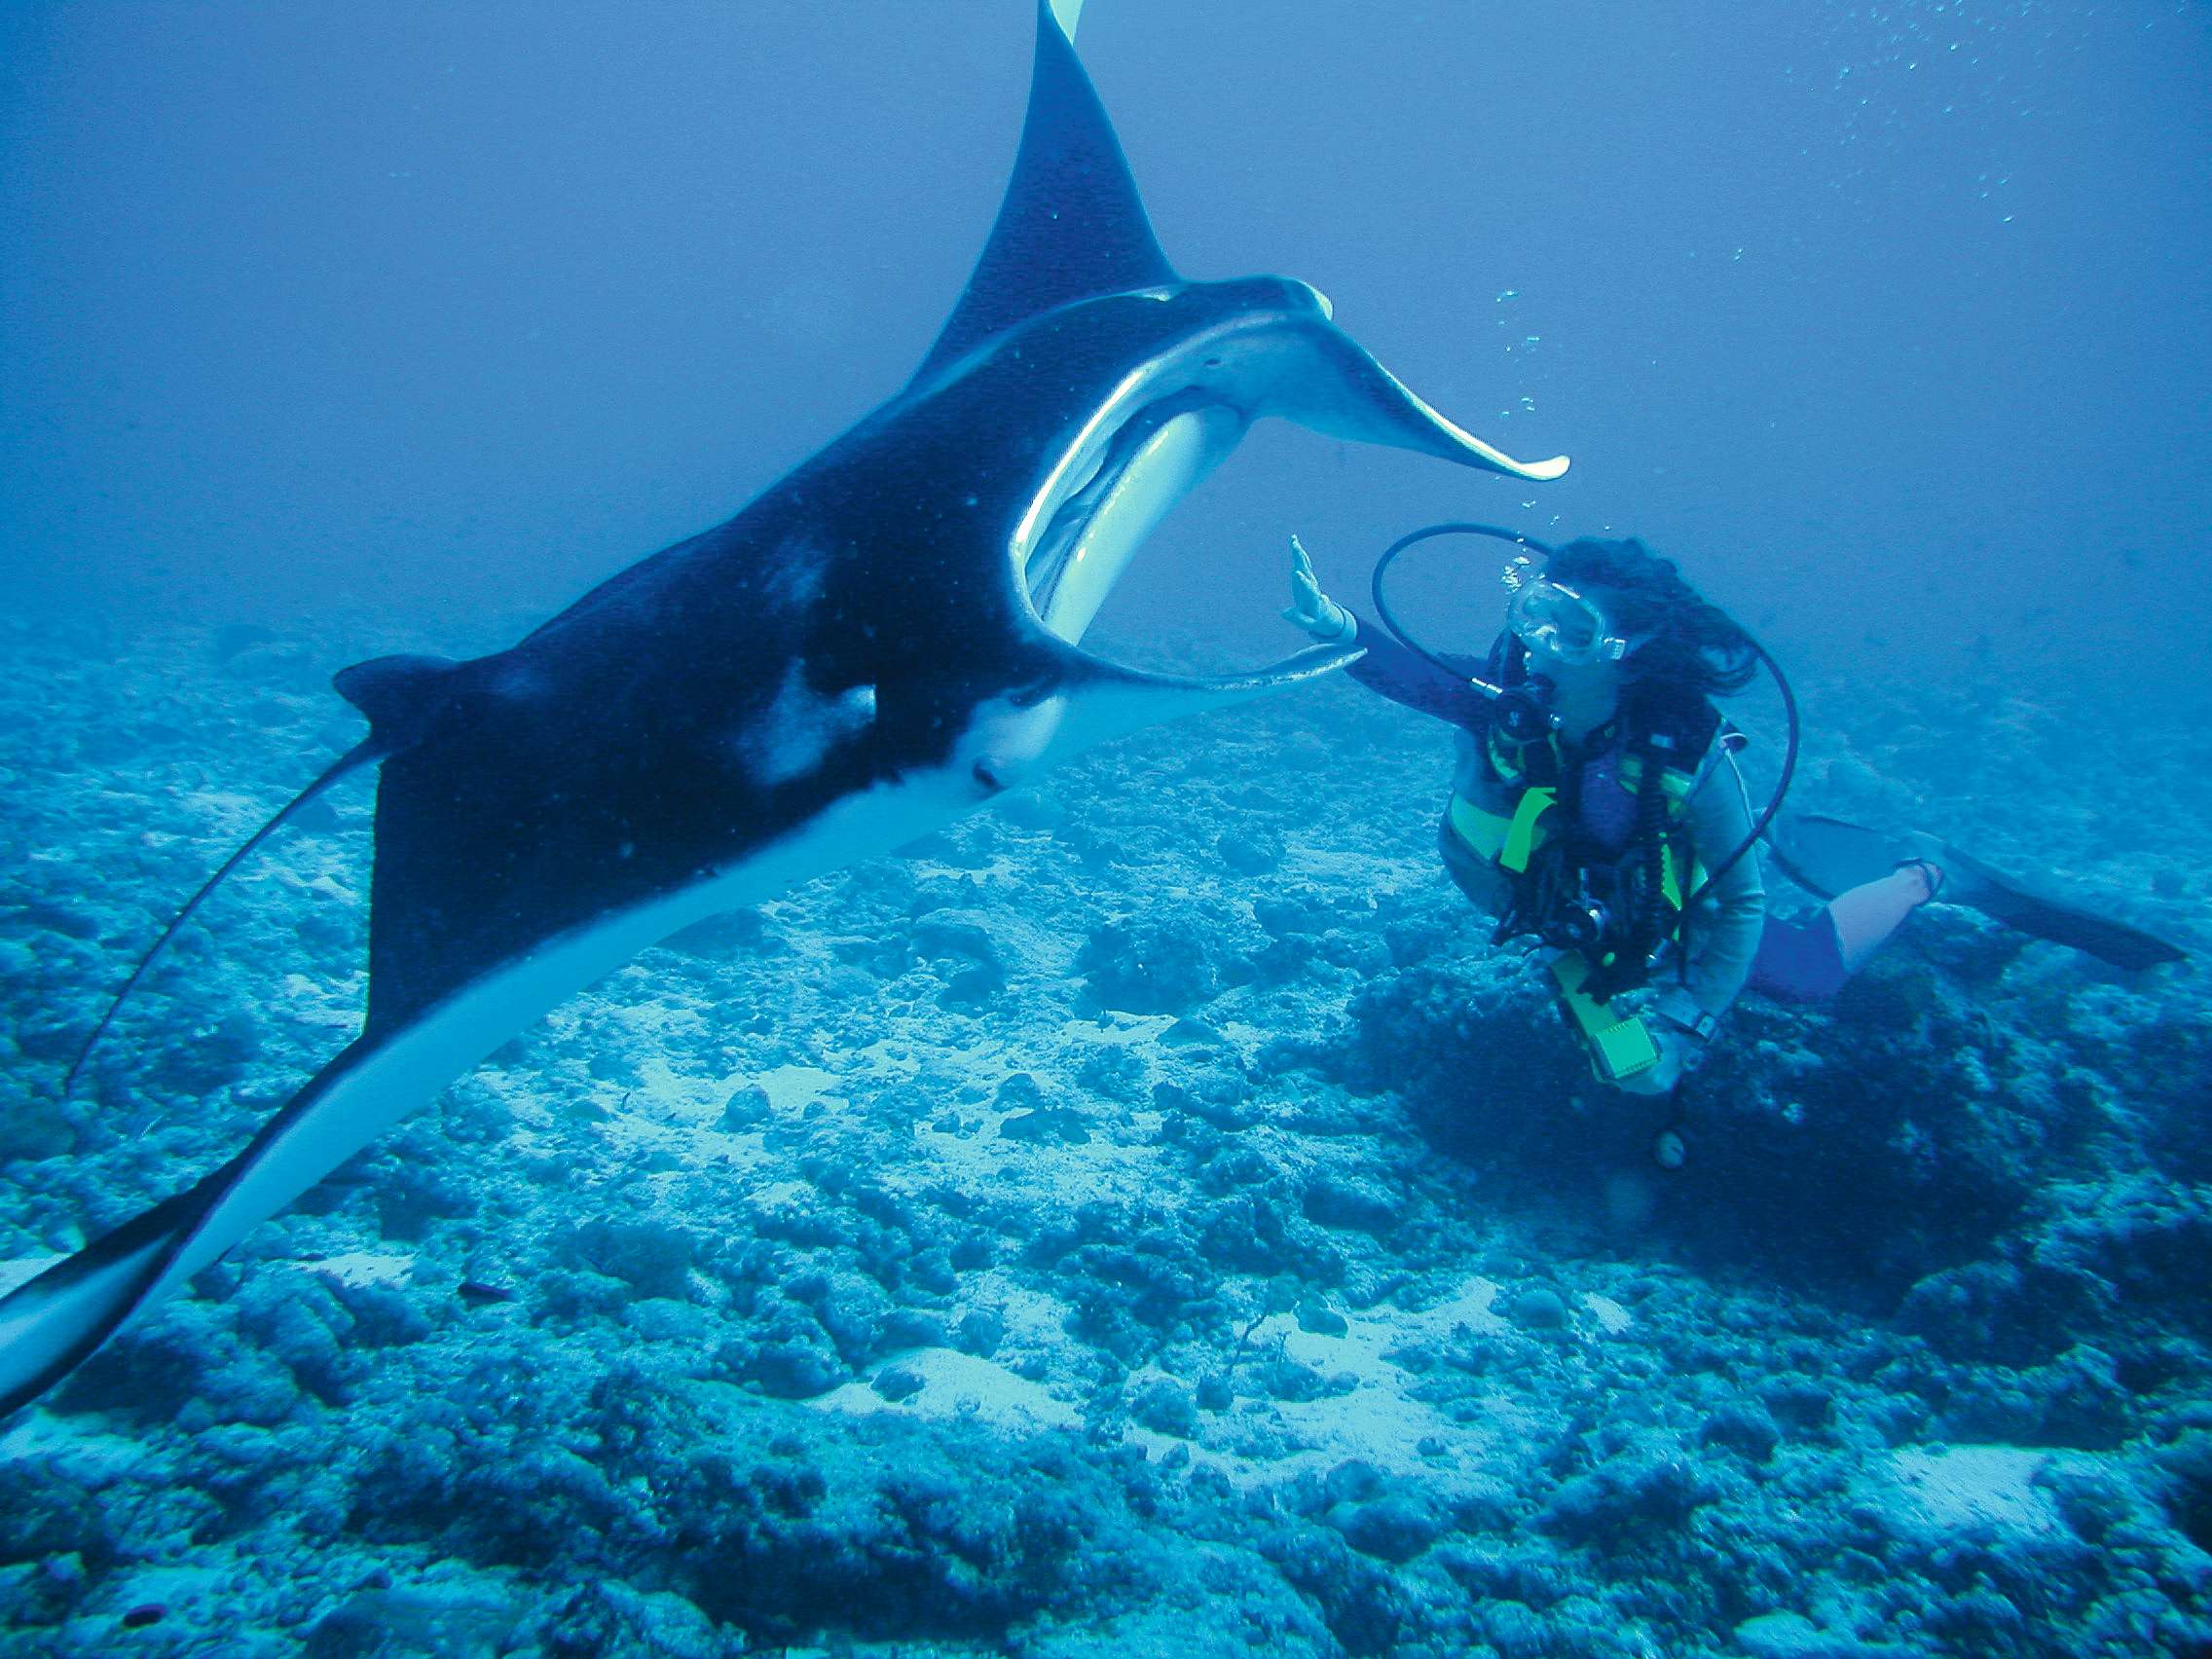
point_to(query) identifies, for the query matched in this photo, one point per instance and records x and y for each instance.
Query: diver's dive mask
(1555, 621)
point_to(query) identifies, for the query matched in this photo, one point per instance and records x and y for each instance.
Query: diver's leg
(1799, 959)
(1807, 958)
(1866, 916)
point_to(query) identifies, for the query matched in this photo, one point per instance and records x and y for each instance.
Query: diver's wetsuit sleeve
(1406, 678)
(1724, 932)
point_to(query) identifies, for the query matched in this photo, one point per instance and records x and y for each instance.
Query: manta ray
(883, 641)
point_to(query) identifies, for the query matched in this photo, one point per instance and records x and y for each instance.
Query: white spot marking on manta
(790, 738)
(795, 584)
(516, 682)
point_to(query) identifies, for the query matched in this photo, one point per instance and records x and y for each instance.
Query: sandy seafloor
(1147, 1219)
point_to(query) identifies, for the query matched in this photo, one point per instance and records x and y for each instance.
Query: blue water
(1149, 1217)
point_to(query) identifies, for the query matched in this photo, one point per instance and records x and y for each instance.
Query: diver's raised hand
(1309, 607)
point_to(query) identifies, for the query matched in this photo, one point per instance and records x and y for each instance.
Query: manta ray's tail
(359, 756)
(51, 1322)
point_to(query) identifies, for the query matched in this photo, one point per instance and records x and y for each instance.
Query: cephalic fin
(1106, 699)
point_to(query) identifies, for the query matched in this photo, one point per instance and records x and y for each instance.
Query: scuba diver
(1596, 804)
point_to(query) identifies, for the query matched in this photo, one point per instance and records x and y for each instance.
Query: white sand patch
(1054, 1176)
(1029, 1316)
(959, 1386)
(890, 1054)
(226, 813)
(1613, 1318)
(792, 1089)
(1003, 870)
(1369, 1337)
(333, 1004)
(1376, 1423)
(1246, 1038)
(631, 1132)
(1379, 1421)
(677, 1100)
(1975, 1485)
(1120, 1030)
(1363, 869)
(1468, 1310)
(22, 1270)
(360, 1269)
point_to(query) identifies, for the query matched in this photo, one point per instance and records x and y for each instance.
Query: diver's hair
(1688, 645)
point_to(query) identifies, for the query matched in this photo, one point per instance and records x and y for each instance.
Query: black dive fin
(1071, 225)
(360, 755)
(1828, 856)
(2006, 900)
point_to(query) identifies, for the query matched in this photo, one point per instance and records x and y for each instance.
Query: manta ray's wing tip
(1476, 452)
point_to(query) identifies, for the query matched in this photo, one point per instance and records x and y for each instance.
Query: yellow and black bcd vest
(1619, 1047)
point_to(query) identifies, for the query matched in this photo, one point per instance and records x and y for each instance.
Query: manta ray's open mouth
(1133, 480)
(1263, 347)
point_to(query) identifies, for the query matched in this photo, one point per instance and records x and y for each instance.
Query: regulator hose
(1523, 713)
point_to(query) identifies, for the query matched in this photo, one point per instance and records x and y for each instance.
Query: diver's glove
(1312, 610)
(1679, 1030)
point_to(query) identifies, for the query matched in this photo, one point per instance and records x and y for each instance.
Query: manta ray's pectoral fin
(1071, 225)
(401, 695)
(1349, 394)
(50, 1324)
